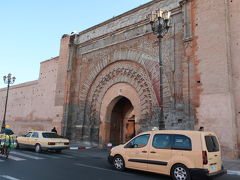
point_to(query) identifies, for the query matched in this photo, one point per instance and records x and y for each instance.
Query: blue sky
(30, 30)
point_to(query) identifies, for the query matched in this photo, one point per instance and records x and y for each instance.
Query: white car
(42, 140)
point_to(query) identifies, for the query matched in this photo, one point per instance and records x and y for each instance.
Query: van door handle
(152, 152)
(215, 155)
(144, 151)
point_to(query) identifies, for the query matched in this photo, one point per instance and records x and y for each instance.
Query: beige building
(104, 85)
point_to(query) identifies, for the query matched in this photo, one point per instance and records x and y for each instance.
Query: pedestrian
(201, 128)
(54, 130)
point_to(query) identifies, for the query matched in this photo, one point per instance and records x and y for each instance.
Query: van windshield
(212, 143)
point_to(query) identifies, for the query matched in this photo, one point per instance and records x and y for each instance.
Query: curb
(79, 147)
(233, 172)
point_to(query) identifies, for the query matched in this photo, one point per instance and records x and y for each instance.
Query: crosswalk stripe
(25, 155)
(9, 177)
(43, 155)
(15, 158)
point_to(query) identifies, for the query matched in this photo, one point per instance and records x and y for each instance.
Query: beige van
(180, 154)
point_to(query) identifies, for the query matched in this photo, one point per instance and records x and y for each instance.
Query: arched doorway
(122, 121)
(120, 106)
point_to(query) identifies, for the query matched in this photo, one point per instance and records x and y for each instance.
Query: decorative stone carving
(125, 72)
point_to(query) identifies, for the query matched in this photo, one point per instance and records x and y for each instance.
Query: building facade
(106, 84)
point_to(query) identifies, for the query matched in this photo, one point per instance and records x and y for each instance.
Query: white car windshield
(51, 135)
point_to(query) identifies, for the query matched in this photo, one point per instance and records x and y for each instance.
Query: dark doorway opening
(122, 126)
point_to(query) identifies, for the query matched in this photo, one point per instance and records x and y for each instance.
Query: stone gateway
(104, 85)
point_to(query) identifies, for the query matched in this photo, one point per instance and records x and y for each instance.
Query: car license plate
(59, 144)
(213, 167)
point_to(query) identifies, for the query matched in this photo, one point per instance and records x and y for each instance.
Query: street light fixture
(7, 80)
(160, 23)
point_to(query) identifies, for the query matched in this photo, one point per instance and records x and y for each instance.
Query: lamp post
(160, 23)
(7, 80)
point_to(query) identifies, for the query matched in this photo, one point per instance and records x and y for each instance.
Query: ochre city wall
(31, 105)
(216, 37)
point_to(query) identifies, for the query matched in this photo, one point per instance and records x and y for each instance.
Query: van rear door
(214, 162)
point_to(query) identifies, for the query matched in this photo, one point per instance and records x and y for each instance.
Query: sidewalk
(232, 166)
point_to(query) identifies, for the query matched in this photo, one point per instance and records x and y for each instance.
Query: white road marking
(233, 172)
(43, 155)
(94, 167)
(25, 155)
(15, 158)
(9, 177)
(49, 156)
(1, 160)
(66, 156)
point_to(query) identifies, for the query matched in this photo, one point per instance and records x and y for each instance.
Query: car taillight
(66, 143)
(204, 157)
(51, 143)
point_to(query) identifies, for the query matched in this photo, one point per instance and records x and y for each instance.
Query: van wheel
(180, 172)
(38, 148)
(118, 163)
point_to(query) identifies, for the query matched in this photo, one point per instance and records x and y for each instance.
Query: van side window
(212, 143)
(162, 141)
(181, 142)
(138, 142)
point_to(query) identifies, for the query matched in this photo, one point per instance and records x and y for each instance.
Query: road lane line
(1, 160)
(50, 156)
(43, 155)
(9, 177)
(26, 155)
(15, 158)
(99, 168)
(66, 156)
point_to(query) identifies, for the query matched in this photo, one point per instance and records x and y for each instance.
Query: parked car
(180, 154)
(42, 140)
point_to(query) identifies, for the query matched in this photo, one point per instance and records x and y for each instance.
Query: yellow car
(42, 140)
(180, 154)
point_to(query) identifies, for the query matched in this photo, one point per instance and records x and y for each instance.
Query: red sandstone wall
(216, 33)
(234, 24)
(31, 105)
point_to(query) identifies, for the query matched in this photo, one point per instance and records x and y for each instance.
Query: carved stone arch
(124, 71)
(132, 55)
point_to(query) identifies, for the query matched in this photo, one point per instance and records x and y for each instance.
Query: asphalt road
(88, 164)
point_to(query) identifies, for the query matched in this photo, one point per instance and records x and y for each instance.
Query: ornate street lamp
(7, 80)
(160, 23)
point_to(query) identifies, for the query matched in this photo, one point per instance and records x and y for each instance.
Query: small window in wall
(181, 142)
